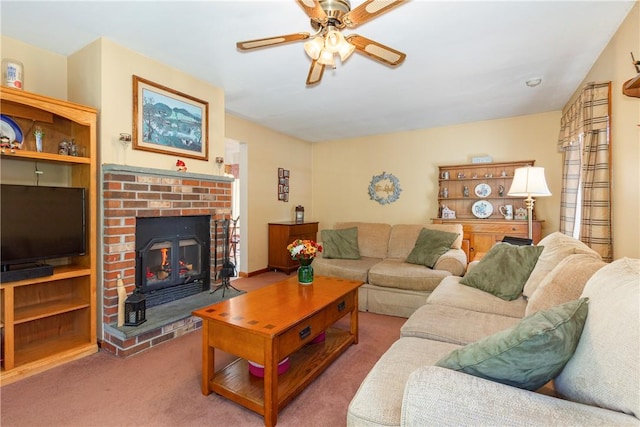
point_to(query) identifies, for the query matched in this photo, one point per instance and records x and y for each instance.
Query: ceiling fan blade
(369, 10)
(271, 41)
(315, 73)
(375, 50)
(314, 10)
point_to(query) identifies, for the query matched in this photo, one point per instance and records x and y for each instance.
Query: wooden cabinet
(283, 233)
(479, 235)
(50, 320)
(475, 192)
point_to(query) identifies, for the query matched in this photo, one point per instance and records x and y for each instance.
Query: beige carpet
(161, 386)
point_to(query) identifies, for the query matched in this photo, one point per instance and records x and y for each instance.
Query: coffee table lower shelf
(236, 383)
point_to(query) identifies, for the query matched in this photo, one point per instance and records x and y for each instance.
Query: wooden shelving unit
(480, 234)
(51, 320)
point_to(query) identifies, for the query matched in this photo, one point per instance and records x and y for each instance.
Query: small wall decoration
(384, 188)
(283, 185)
(169, 122)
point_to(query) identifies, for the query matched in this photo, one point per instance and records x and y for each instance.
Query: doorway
(235, 155)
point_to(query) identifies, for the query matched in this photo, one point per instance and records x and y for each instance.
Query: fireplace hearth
(172, 257)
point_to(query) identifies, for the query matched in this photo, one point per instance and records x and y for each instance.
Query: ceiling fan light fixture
(346, 50)
(326, 58)
(333, 41)
(314, 46)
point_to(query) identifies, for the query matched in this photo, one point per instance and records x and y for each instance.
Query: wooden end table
(269, 324)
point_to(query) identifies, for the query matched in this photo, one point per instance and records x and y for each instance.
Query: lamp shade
(313, 47)
(529, 181)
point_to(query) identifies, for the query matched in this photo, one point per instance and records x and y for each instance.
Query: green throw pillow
(504, 270)
(341, 243)
(431, 244)
(529, 354)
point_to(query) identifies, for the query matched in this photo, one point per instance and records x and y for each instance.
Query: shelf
(235, 382)
(492, 178)
(52, 347)
(47, 309)
(59, 273)
(45, 157)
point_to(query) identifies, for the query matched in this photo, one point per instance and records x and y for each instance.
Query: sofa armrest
(439, 396)
(453, 261)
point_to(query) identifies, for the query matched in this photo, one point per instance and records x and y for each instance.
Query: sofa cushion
(395, 273)
(452, 294)
(402, 238)
(378, 401)
(504, 270)
(605, 369)
(373, 238)
(340, 244)
(527, 355)
(454, 325)
(557, 246)
(565, 282)
(431, 245)
(350, 269)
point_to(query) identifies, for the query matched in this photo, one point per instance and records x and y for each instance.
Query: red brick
(119, 177)
(133, 350)
(119, 212)
(136, 187)
(112, 185)
(137, 204)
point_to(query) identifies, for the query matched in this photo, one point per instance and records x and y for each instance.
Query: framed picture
(283, 184)
(169, 122)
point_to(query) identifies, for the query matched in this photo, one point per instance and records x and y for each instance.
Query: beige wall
(45, 72)
(102, 72)
(340, 183)
(614, 64)
(267, 151)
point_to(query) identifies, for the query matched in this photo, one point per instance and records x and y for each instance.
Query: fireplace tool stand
(228, 269)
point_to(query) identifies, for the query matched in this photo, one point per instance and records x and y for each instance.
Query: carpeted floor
(161, 386)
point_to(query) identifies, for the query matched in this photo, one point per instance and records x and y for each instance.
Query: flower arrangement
(304, 249)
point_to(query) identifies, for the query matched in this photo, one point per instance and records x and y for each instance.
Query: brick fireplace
(130, 193)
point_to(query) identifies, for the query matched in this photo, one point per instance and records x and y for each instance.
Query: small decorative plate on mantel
(482, 190)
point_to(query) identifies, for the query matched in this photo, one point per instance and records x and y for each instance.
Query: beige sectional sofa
(600, 384)
(393, 286)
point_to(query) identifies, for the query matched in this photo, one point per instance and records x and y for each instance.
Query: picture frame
(169, 122)
(283, 184)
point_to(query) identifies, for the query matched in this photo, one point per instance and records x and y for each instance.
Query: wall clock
(384, 188)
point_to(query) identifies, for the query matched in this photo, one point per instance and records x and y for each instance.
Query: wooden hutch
(475, 192)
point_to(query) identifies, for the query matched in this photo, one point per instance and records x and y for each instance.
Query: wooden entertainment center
(50, 320)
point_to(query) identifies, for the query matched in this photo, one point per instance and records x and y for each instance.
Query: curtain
(585, 206)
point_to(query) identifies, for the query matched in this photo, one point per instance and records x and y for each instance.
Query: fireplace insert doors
(172, 257)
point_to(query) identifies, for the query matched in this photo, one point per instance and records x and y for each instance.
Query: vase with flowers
(304, 251)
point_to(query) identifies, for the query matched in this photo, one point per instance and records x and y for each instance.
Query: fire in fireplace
(172, 257)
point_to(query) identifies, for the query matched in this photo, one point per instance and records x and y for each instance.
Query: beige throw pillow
(564, 283)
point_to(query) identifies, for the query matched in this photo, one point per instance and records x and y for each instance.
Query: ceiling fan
(328, 18)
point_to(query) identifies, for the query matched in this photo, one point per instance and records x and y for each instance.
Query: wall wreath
(384, 188)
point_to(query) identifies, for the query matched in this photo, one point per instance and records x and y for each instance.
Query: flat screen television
(38, 223)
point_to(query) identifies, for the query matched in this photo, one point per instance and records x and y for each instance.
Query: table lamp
(527, 182)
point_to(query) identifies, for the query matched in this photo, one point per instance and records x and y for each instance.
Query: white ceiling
(466, 61)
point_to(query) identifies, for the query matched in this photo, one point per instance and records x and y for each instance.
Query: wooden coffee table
(269, 324)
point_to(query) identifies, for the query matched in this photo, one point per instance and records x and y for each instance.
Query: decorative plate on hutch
(482, 209)
(482, 190)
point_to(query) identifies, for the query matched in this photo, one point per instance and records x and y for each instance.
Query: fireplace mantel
(136, 170)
